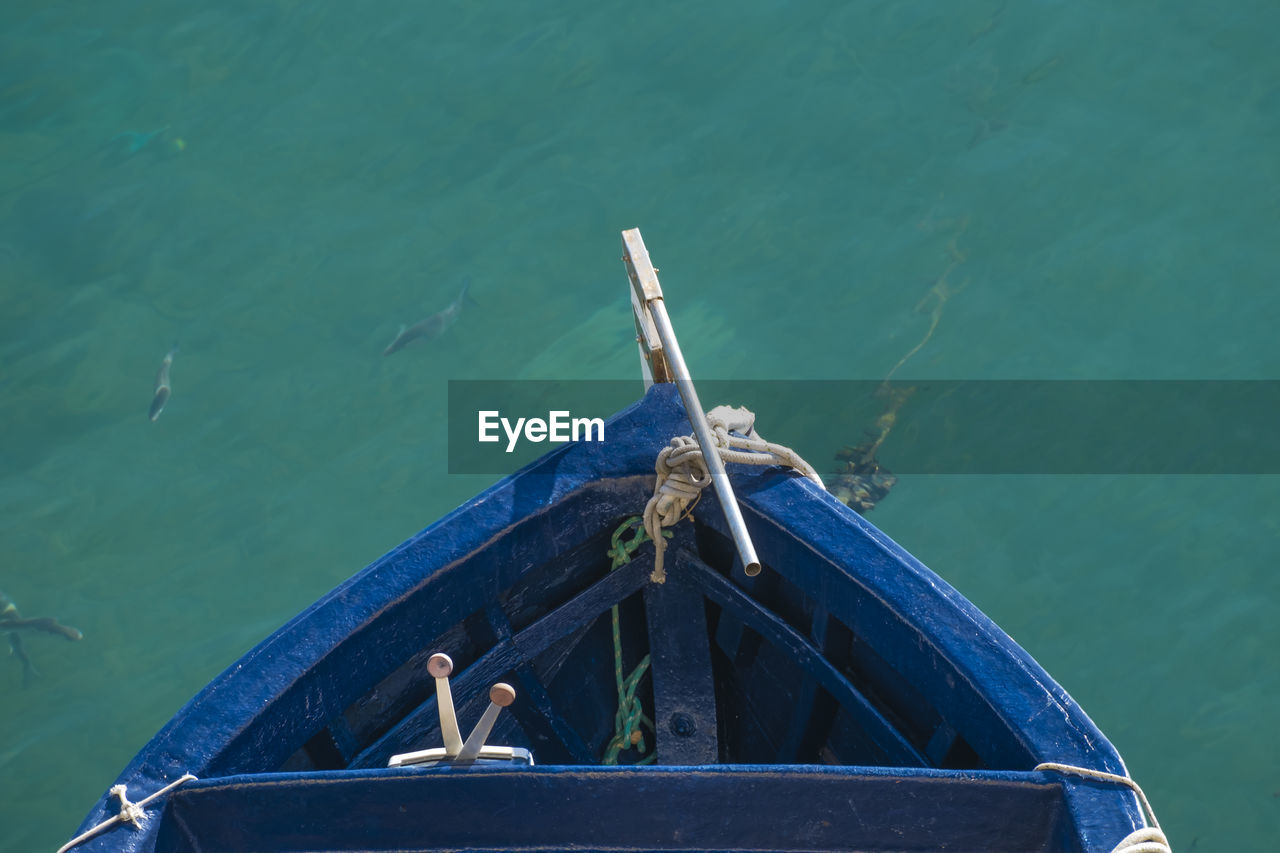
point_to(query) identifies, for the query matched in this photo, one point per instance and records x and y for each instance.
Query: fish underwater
(432, 326)
(163, 388)
(12, 621)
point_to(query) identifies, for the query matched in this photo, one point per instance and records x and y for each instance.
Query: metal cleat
(455, 751)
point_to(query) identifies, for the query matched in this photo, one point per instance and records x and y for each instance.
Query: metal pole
(697, 417)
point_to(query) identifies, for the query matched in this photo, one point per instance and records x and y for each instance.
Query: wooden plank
(796, 810)
(683, 688)
(645, 287)
(536, 713)
(802, 717)
(896, 748)
(741, 646)
(471, 686)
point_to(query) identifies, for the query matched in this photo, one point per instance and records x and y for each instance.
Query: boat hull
(846, 698)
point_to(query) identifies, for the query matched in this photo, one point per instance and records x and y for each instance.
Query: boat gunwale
(773, 805)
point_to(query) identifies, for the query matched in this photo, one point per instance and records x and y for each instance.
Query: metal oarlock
(440, 666)
(500, 696)
(455, 751)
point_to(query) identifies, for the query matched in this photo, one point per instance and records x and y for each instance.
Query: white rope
(129, 812)
(682, 471)
(1149, 839)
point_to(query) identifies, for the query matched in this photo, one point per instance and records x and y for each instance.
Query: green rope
(630, 716)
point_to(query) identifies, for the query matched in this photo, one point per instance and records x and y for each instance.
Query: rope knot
(682, 471)
(682, 475)
(1149, 839)
(630, 715)
(129, 812)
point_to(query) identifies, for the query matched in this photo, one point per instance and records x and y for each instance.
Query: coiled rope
(682, 471)
(630, 715)
(129, 812)
(1149, 839)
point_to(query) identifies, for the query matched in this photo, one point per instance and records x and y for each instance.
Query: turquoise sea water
(275, 187)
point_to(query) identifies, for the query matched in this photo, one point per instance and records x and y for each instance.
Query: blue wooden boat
(842, 698)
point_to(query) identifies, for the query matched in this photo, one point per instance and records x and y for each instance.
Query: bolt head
(440, 665)
(682, 725)
(502, 694)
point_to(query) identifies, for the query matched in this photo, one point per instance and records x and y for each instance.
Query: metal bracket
(455, 750)
(645, 287)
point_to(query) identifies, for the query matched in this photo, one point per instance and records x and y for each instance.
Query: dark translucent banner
(944, 427)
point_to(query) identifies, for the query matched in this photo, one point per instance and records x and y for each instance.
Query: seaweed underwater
(862, 481)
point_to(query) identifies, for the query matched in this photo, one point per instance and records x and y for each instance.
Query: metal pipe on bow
(664, 362)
